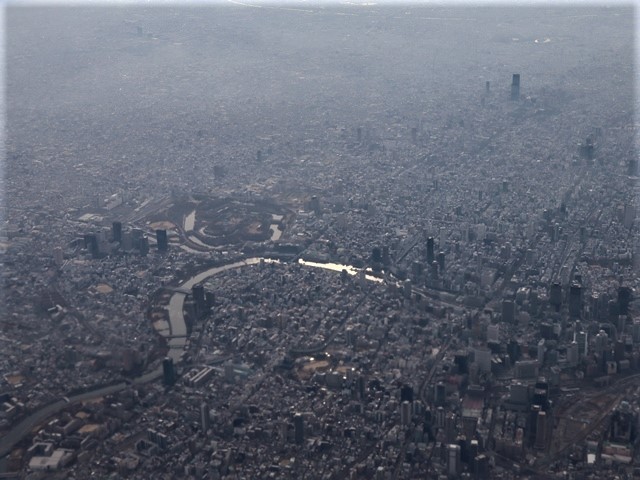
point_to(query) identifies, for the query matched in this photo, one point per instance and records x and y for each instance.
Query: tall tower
(508, 311)
(515, 86)
(143, 245)
(555, 296)
(454, 460)
(575, 300)
(624, 299)
(406, 393)
(205, 419)
(91, 244)
(163, 244)
(298, 425)
(168, 371)
(116, 231)
(541, 431)
(199, 298)
(405, 413)
(430, 251)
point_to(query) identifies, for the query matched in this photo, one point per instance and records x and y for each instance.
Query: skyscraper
(116, 231)
(555, 296)
(199, 298)
(405, 413)
(541, 431)
(575, 300)
(91, 244)
(163, 244)
(515, 86)
(406, 393)
(508, 311)
(624, 299)
(143, 245)
(454, 460)
(430, 251)
(298, 425)
(168, 371)
(205, 419)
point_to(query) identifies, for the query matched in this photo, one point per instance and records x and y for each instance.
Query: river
(177, 333)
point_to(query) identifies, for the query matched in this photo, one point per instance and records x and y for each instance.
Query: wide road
(19, 431)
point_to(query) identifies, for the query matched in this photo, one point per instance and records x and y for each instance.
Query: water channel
(177, 334)
(177, 331)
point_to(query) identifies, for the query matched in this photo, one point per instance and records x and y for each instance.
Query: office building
(508, 311)
(168, 371)
(581, 338)
(526, 369)
(573, 354)
(519, 394)
(493, 333)
(601, 343)
(205, 419)
(434, 270)
(454, 462)
(417, 269)
(163, 243)
(314, 204)
(127, 244)
(298, 425)
(440, 261)
(159, 439)
(481, 467)
(199, 299)
(407, 288)
(450, 431)
(116, 231)
(515, 86)
(461, 360)
(587, 148)
(430, 251)
(629, 215)
(143, 245)
(541, 351)
(541, 430)
(482, 357)
(440, 394)
(91, 244)
(624, 299)
(406, 393)
(575, 300)
(385, 255)
(624, 423)
(405, 413)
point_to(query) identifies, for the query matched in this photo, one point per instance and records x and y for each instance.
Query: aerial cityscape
(320, 241)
